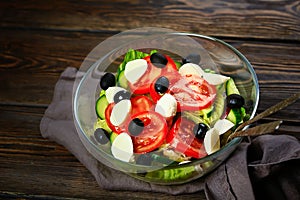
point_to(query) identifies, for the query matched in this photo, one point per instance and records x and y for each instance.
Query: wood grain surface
(269, 19)
(39, 39)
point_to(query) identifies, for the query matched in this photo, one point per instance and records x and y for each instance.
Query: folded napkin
(268, 167)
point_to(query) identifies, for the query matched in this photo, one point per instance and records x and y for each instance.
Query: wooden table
(39, 39)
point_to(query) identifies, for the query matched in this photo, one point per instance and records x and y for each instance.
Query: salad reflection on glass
(158, 111)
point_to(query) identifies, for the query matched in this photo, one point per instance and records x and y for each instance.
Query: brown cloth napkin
(268, 167)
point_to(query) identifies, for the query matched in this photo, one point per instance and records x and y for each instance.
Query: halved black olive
(200, 130)
(107, 80)
(121, 95)
(235, 101)
(135, 127)
(158, 60)
(101, 136)
(162, 84)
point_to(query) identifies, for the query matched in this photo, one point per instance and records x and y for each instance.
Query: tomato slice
(170, 66)
(153, 134)
(140, 104)
(193, 93)
(182, 138)
(173, 77)
(142, 86)
(116, 129)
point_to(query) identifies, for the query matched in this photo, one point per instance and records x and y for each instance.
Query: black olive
(107, 80)
(158, 60)
(121, 95)
(235, 101)
(144, 159)
(135, 127)
(192, 58)
(200, 130)
(101, 136)
(162, 84)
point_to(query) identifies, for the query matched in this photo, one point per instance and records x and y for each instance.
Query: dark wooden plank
(36, 168)
(244, 19)
(33, 60)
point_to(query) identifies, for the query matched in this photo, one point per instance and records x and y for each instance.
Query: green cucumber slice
(236, 115)
(121, 80)
(218, 107)
(101, 105)
(231, 87)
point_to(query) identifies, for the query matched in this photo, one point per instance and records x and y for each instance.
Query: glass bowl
(215, 55)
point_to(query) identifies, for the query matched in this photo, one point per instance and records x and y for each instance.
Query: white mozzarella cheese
(194, 69)
(135, 69)
(166, 106)
(191, 69)
(122, 147)
(211, 141)
(111, 91)
(215, 79)
(223, 125)
(120, 112)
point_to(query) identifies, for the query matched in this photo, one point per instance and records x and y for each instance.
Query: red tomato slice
(182, 138)
(153, 134)
(116, 129)
(142, 86)
(140, 104)
(173, 77)
(193, 93)
(170, 66)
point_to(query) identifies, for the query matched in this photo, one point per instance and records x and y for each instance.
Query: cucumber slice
(101, 105)
(218, 107)
(231, 87)
(236, 115)
(121, 80)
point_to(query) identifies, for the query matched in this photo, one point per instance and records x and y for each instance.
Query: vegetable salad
(159, 110)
